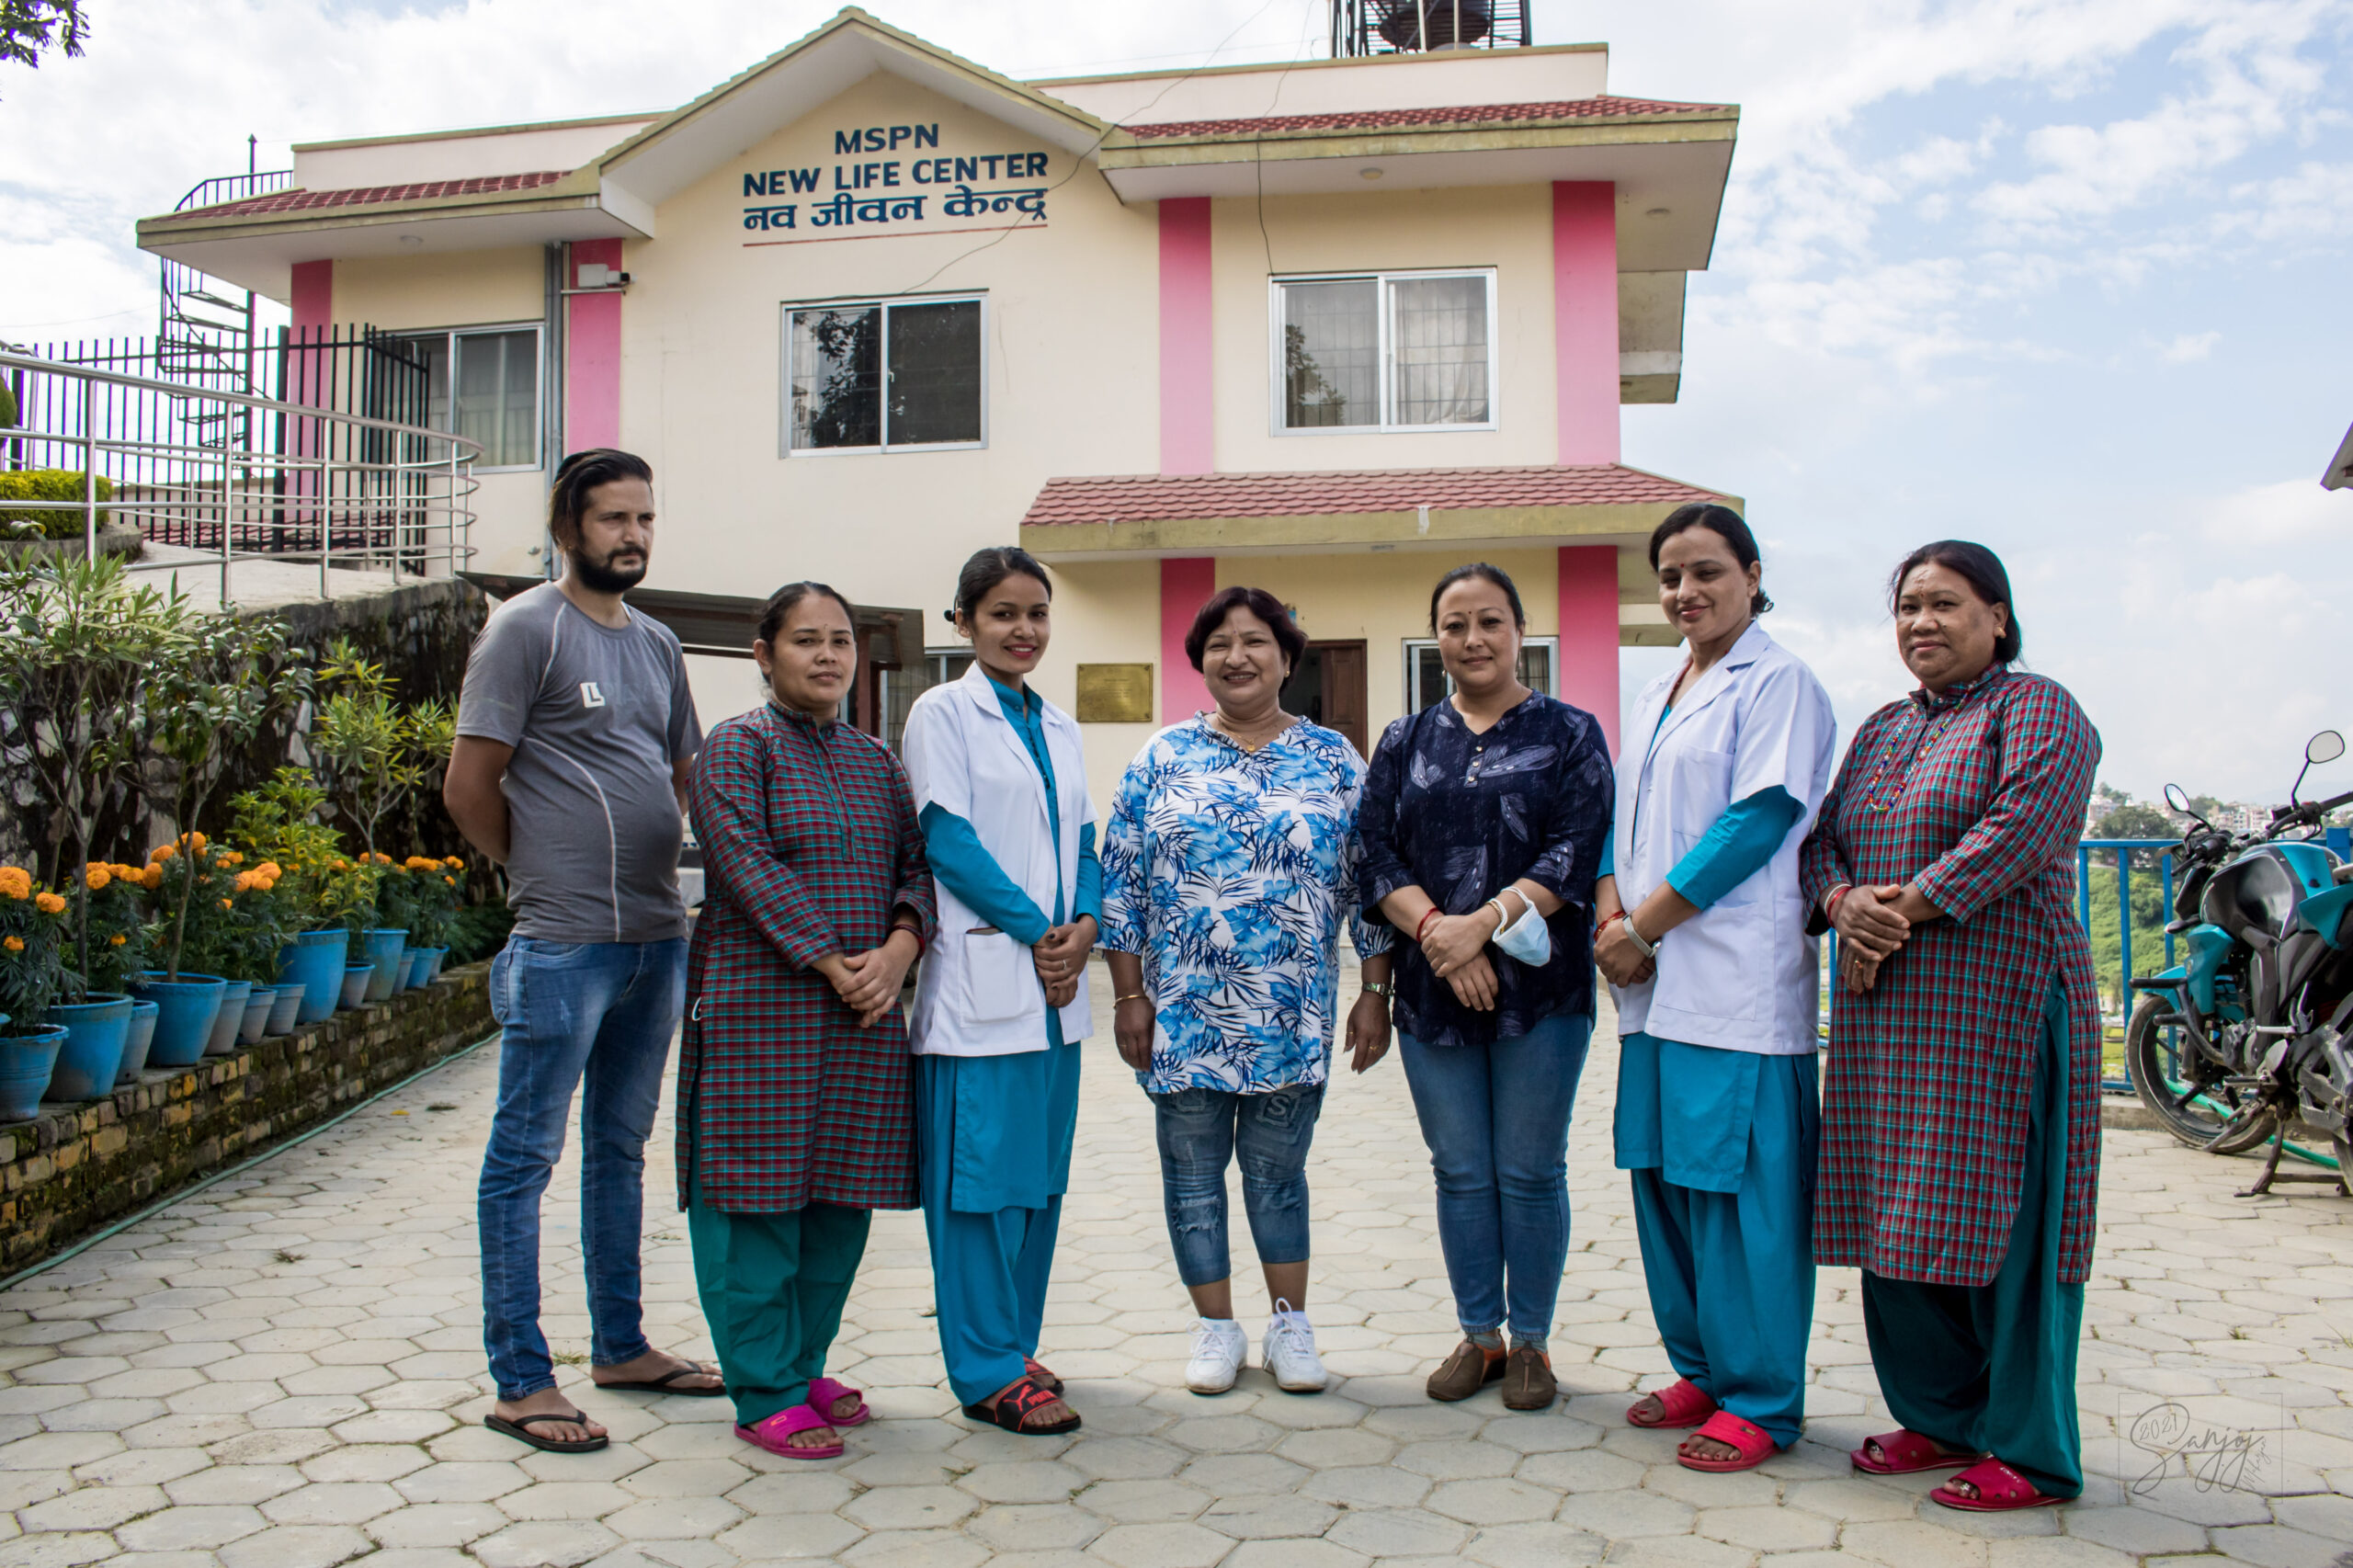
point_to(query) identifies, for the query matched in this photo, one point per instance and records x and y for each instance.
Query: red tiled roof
(1156, 498)
(369, 196)
(1395, 118)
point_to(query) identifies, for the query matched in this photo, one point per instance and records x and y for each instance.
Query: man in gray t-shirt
(576, 733)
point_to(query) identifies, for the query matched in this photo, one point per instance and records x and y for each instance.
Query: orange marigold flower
(97, 876)
(14, 944)
(269, 869)
(226, 904)
(230, 857)
(151, 878)
(15, 882)
(342, 865)
(118, 939)
(50, 903)
(160, 853)
(454, 861)
(452, 880)
(197, 841)
(245, 881)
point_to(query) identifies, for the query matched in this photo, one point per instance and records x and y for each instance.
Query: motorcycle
(2251, 1036)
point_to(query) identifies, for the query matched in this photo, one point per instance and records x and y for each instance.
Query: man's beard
(600, 576)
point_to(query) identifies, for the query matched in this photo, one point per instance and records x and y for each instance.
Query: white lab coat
(978, 994)
(1742, 975)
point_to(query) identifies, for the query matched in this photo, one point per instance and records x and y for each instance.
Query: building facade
(1328, 328)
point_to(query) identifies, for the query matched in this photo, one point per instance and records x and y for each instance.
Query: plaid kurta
(809, 844)
(1976, 797)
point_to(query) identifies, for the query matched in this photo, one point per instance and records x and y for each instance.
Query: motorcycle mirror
(2178, 799)
(2326, 747)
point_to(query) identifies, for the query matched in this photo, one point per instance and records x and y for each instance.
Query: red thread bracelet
(1616, 915)
(1424, 924)
(1830, 905)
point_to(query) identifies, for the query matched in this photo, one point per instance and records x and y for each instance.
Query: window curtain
(1438, 334)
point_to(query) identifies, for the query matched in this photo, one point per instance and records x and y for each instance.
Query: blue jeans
(598, 1016)
(1496, 1120)
(1199, 1132)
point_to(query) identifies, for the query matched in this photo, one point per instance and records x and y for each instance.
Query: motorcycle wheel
(2151, 1060)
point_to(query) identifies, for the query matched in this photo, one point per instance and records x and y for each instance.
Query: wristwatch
(1384, 988)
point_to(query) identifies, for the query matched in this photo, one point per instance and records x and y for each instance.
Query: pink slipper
(1680, 1404)
(772, 1434)
(1999, 1490)
(1755, 1445)
(825, 1392)
(1905, 1453)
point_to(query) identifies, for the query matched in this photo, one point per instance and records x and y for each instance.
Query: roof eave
(1128, 537)
(1123, 151)
(153, 233)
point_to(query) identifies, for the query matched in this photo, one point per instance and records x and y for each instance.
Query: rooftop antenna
(1409, 27)
(253, 151)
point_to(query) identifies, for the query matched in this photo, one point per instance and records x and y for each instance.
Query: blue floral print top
(1463, 816)
(1228, 872)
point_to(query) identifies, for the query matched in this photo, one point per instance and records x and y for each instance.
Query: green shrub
(47, 484)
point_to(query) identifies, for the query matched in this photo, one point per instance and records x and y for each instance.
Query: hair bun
(949, 616)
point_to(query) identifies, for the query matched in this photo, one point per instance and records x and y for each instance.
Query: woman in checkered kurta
(794, 1121)
(1960, 1109)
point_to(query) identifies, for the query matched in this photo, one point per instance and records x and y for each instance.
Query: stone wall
(73, 1168)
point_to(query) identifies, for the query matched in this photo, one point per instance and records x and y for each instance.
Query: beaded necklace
(1889, 777)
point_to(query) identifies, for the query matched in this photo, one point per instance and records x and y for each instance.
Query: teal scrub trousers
(773, 1288)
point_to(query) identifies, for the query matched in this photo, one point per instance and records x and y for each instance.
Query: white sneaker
(1290, 1352)
(1220, 1347)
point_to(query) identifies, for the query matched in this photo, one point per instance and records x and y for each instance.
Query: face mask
(1528, 938)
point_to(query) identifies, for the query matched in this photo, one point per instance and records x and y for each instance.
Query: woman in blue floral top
(1230, 862)
(1484, 817)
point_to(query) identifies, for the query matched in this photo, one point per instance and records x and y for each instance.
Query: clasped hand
(1061, 956)
(1872, 923)
(869, 983)
(1620, 962)
(1456, 947)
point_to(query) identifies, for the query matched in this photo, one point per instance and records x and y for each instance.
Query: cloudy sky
(2069, 276)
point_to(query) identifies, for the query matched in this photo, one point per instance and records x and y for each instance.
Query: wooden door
(1344, 704)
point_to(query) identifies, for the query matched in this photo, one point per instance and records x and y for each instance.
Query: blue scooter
(2248, 1039)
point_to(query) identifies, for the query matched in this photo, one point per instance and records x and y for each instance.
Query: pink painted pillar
(592, 355)
(1187, 442)
(309, 374)
(1584, 321)
(1589, 632)
(1185, 583)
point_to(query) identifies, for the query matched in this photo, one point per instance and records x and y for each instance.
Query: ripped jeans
(1200, 1131)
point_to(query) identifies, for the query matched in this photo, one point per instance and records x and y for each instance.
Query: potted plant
(280, 821)
(436, 889)
(257, 927)
(98, 1013)
(33, 974)
(123, 948)
(196, 891)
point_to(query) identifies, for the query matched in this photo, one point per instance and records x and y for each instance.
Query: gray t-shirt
(596, 717)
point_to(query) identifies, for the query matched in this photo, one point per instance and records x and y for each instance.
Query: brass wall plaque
(1115, 694)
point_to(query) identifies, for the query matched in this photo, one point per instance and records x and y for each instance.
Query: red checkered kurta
(808, 843)
(1976, 797)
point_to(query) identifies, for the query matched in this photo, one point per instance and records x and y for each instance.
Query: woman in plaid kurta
(796, 1119)
(1960, 1109)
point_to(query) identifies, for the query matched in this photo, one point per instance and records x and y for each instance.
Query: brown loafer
(1529, 1384)
(1466, 1372)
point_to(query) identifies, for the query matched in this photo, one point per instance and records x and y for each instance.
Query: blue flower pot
(384, 946)
(188, 1008)
(26, 1063)
(258, 1003)
(135, 1041)
(286, 1008)
(91, 1058)
(357, 979)
(230, 1018)
(433, 971)
(428, 964)
(315, 960)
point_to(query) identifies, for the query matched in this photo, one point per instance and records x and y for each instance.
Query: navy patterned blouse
(1463, 816)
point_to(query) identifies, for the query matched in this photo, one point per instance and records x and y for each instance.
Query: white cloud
(2190, 347)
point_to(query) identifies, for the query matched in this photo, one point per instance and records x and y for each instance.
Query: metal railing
(339, 488)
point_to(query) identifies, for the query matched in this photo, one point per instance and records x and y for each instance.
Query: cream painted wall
(1322, 86)
(400, 160)
(1071, 349)
(1385, 600)
(442, 288)
(1108, 613)
(1508, 228)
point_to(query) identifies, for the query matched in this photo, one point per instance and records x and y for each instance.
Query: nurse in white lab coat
(1703, 938)
(1000, 788)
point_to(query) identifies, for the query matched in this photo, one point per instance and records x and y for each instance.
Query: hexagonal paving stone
(1492, 1502)
(1039, 1481)
(916, 1549)
(1035, 1528)
(567, 1544)
(296, 1546)
(910, 1508)
(1398, 1532)
(1161, 1546)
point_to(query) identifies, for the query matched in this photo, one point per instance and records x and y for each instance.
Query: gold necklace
(1285, 721)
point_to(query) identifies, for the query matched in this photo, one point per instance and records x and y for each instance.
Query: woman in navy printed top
(1482, 823)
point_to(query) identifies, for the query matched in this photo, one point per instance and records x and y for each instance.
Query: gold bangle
(1130, 996)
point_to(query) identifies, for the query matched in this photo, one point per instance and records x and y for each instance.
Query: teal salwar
(773, 1285)
(995, 1136)
(1721, 1145)
(1991, 1369)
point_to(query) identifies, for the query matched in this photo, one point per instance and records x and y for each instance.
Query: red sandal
(1752, 1443)
(1013, 1407)
(1905, 1452)
(1999, 1490)
(827, 1392)
(1681, 1403)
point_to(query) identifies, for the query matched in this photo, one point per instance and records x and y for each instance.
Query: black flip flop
(520, 1431)
(666, 1385)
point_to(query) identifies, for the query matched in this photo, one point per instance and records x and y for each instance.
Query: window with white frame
(1425, 678)
(880, 375)
(484, 383)
(1385, 351)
